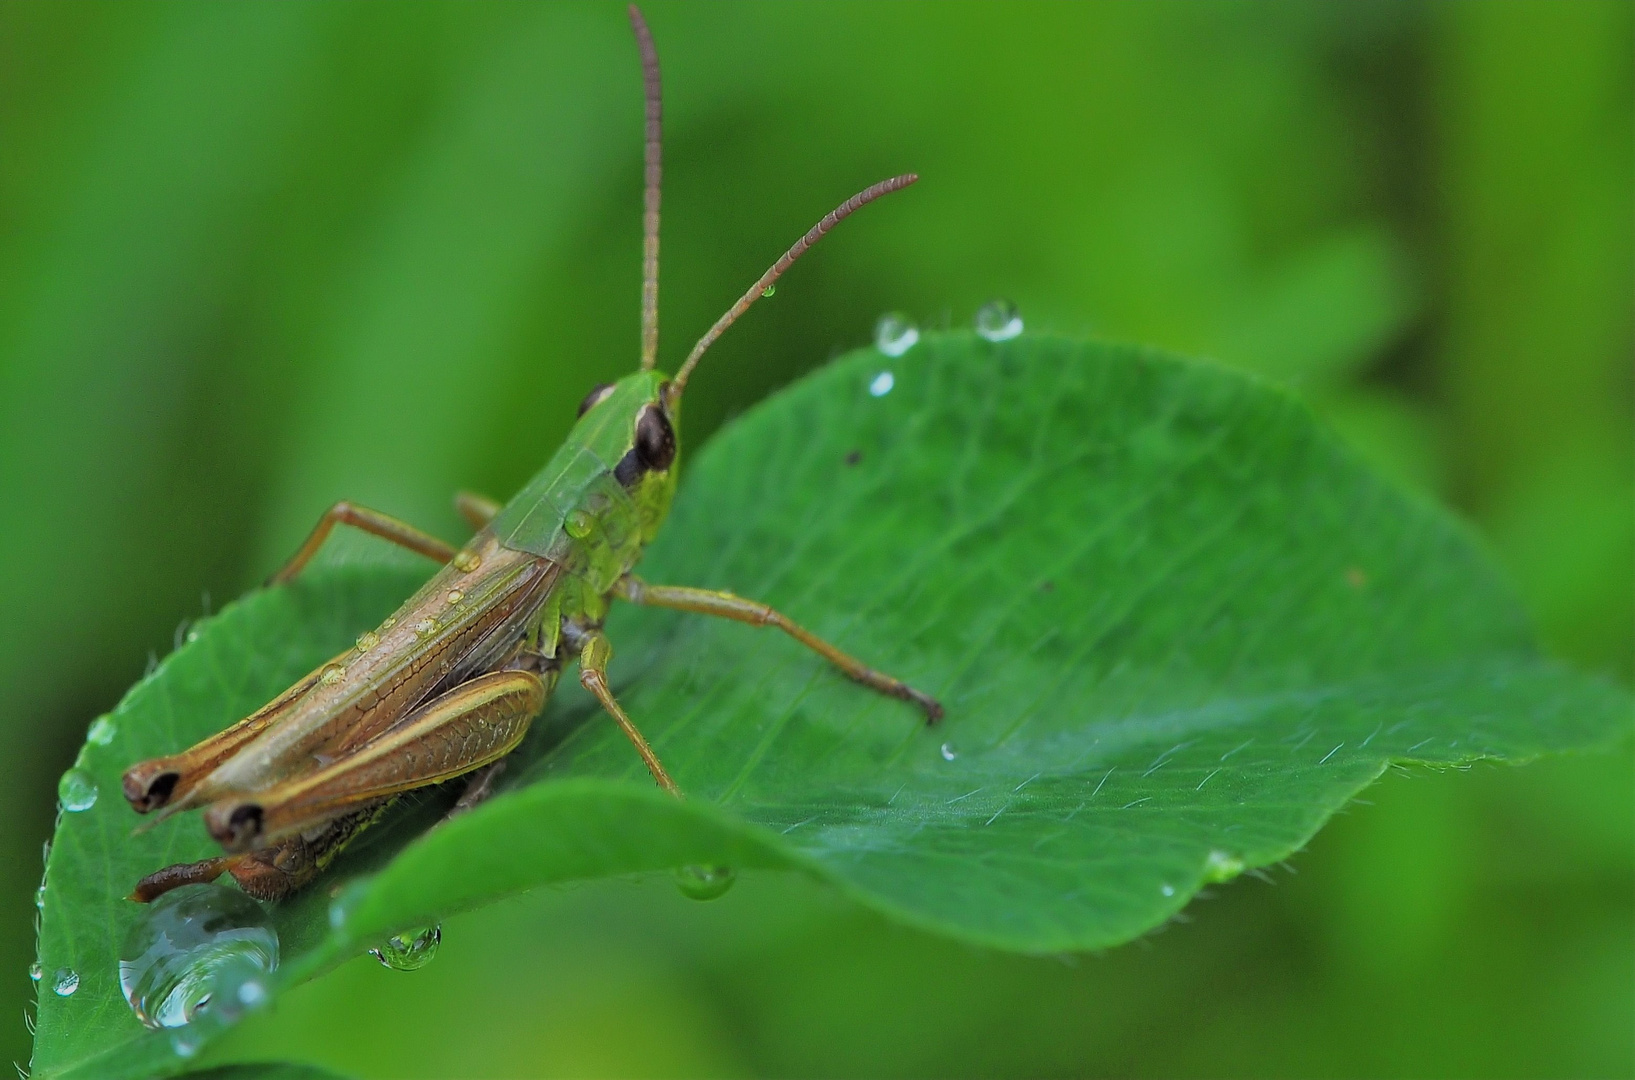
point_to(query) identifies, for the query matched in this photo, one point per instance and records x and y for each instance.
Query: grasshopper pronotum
(449, 683)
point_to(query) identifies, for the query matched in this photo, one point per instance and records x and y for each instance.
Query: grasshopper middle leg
(727, 606)
(594, 653)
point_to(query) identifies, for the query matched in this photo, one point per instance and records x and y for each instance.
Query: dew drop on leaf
(895, 333)
(998, 320)
(409, 950)
(882, 384)
(101, 732)
(76, 791)
(1222, 866)
(196, 948)
(1167, 889)
(36, 971)
(65, 982)
(705, 882)
(948, 752)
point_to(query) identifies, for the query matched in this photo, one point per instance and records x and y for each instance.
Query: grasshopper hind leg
(270, 873)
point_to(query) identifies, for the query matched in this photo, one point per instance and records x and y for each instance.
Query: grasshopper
(448, 685)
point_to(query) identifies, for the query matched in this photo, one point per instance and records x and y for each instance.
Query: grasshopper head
(634, 423)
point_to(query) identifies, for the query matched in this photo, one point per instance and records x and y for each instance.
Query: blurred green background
(258, 257)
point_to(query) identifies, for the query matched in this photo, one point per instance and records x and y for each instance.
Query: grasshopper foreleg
(370, 521)
(594, 653)
(728, 606)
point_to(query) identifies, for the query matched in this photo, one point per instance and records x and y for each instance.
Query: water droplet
(39, 897)
(424, 627)
(65, 982)
(367, 640)
(882, 384)
(331, 674)
(76, 791)
(101, 731)
(410, 950)
(455, 596)
(769, 290)
(186, 1041)
(197, 946)
(343, 901)
(998, 320)
(705, 882)
(948, 752)
(192, 636)
(895, 333)
(467, 561)
(391, 621)
(1167, 889)
(1222, 866)
(36, 971)
(579, 524)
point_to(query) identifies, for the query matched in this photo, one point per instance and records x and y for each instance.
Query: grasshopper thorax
(603, 495)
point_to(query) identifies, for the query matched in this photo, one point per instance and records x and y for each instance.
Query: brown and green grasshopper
(448, 685)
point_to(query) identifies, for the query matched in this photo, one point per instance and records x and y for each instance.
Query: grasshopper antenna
(813, 235)
(652, 158)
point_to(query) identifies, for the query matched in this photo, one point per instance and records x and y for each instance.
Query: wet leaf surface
(1174, 623)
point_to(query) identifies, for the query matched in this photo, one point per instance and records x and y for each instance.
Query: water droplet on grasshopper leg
(705, 882)
(409, 950)
(197, 949)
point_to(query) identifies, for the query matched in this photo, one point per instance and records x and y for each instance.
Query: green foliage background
(255, 258)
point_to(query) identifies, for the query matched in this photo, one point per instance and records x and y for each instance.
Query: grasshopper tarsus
(448, 685)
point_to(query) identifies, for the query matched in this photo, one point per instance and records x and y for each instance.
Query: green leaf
(1175, 624)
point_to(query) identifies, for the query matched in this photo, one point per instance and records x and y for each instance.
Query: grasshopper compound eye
(654, 448)
(595, 397)
(655, 440)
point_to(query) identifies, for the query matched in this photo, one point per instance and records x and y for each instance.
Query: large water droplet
(895, 333)
(197, 946)
(410, 950)
(101, 732)
(882, 384)
(76, 791)
(998, 320)
(65, 982)
(705, 882)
